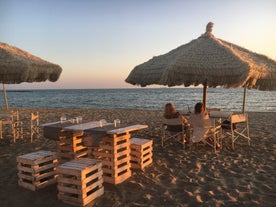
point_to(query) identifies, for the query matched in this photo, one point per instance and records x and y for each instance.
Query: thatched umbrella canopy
(209, 61)
(17, 66)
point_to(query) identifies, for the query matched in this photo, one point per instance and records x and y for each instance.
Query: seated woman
(171, 113)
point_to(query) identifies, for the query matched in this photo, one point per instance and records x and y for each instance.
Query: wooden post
(204, 95)
(5, 97)
(244, 97)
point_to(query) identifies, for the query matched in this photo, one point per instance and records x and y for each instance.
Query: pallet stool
(80, 181)
(140, 153)
(37, 169)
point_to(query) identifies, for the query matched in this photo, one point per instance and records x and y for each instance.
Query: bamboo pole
(204, 95)
(5, 97)
(244, 99)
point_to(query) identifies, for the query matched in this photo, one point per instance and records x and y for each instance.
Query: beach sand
(177, 176)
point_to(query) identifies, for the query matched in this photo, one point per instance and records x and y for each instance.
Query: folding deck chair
(168, 132)
(239, 128)
(34, 125)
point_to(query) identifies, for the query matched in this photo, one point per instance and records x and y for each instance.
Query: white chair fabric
(239, 128)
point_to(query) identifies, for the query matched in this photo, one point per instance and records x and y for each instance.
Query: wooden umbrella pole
(244, 98)
(204, 95)
(5, 97)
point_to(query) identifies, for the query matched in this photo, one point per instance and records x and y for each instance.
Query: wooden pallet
(37, 169)
(70, 146)
(80, 181)
(141, 153)
(114, 152)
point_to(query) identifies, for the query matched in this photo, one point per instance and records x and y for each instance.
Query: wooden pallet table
(70, 146)
(80, 181)
(114, 152)
(37, 169)
(140, 153)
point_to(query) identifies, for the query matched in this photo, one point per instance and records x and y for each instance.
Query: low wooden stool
(37, 169)
(80, 181)
(140, 153)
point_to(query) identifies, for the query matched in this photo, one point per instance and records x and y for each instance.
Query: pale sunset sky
(98, 42)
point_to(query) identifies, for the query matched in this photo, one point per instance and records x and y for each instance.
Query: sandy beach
(177, 177)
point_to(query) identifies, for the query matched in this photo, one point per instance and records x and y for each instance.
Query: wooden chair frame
(34, 126)
(12, 119)
(209, 131)
(239, 128)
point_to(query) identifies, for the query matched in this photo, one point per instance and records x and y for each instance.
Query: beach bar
(105, 141)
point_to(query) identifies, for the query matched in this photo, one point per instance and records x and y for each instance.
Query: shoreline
(177, 177)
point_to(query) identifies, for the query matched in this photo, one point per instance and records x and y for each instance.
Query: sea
(142, 98)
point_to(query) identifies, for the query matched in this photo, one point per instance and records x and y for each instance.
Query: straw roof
(17, 66)
(207, 60)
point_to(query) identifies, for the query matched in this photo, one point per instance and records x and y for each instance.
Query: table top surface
(94, 126)
(220, 114)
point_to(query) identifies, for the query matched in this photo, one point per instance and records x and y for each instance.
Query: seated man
(202, 126)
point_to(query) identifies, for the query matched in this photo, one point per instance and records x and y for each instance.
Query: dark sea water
(142, 98)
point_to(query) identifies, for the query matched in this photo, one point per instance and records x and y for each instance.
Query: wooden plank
(140, 141)
(36, 157)
(72, 143)
(72, 149)
(142, 151)
(135, 165)
(28, 186)
(140, 147)
(80, 202)
(72, 155)
(127, 129)
(94, 185)
(93, 196)
(116, 172)
(115, 164)
(78, 165)
(36, 178)
(21, 168)
(117, 179)
(79, 189)
(45, 175)
(141, 158)
(36, 185)
(37, 169)
(26, 177)
(74, 181)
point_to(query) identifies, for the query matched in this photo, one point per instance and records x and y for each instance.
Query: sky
(98, 42)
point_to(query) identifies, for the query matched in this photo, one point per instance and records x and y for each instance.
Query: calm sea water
(142, 98)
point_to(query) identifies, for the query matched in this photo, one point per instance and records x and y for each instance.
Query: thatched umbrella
(209, 61)
(17, 66)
